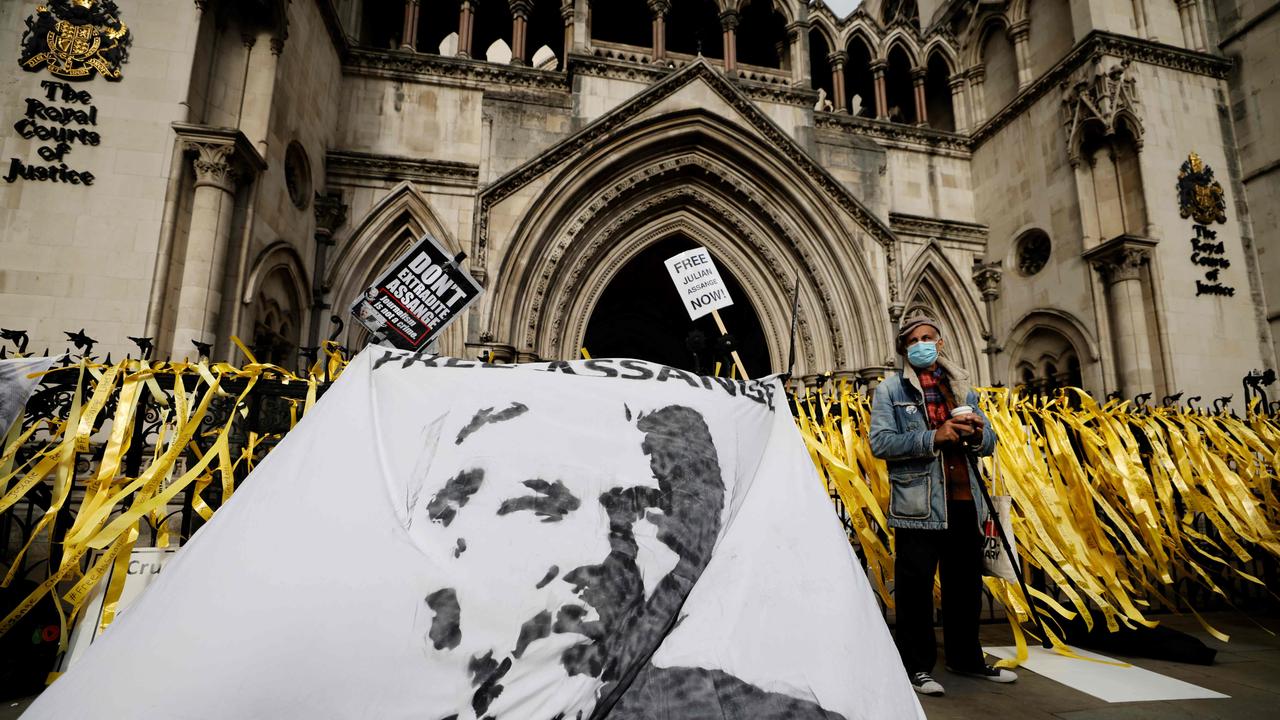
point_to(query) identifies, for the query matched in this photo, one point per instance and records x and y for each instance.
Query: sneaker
(924, 684)
(988, 672)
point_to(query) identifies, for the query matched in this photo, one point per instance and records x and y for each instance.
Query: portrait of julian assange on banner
(416, 298)
(441, 538)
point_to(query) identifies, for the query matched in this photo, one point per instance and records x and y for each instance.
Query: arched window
(820, 66)
(381, 24)
(492, 22)
(1041, 358)
(762, 35)
(896, 11)
(937, 93)
(899, 87)
(626, 22)
(693, 26)
(1028, 377)
(545, 30)
(438, 20)
(1001, 66)
(859, 83)
(277, 320)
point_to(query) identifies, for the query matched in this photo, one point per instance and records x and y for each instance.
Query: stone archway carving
(1054, 327)
(563, 274)
(543, 230)
(587, 225)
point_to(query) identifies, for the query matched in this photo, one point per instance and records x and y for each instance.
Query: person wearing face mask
(926, 424)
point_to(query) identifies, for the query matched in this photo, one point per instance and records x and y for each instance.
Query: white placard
(698, 282)
(145, 565)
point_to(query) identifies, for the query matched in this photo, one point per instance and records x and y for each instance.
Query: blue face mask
(922, 354)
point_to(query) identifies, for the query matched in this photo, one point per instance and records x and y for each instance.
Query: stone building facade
(1010, 166)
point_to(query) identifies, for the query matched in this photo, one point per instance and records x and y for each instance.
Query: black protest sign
(416, 299)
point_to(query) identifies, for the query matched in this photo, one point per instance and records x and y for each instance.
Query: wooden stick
(736, 360)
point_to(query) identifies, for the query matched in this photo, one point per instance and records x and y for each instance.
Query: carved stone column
(1120, 264)
(987, 277)
(958, 109)
(659, 8)
(917, 84)
(221, 159)
(409, 35)
(1189, 17)
(978, 103)
(1019, 34)
(1197, 25)
(264, 51)
(520, 10)
(200, 294)
(878, 68)
(838, 60)
(1140, 18)
(729, 24)
(798, 49)
(566, 14)
(330, 213)
(466, 24)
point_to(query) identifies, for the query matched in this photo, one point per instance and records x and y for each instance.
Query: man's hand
(950, 432)
(973, 422)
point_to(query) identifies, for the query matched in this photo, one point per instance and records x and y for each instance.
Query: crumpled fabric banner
(1116, 506)
(449, 539)
(18, 378)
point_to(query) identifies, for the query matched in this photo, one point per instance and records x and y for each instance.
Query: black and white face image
(563, 563)
(566, 574)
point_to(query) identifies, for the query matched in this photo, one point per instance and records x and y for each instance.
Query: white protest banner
(415, 300)
(444, 538)
(698, 282)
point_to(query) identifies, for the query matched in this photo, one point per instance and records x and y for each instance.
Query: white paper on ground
(1107, 682)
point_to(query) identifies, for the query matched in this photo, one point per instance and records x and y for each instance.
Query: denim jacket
(901, 436)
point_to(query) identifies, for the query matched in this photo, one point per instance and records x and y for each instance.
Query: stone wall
(83, 257)
(1250, 33)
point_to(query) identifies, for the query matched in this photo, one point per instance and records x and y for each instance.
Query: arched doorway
(640, 315)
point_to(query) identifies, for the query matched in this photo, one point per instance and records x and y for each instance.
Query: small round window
(1033, 252)
(297, 175)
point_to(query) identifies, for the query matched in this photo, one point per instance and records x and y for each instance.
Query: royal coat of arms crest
(1199, 195)
(76, 39)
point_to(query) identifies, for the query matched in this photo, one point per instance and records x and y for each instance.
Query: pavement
(1247, 669)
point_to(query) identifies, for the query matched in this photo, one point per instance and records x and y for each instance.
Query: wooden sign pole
(736, 360)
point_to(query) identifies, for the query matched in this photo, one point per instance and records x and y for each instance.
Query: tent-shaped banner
(443, 539)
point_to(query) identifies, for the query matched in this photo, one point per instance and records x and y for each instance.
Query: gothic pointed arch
(276, 296)
(279, 256)
(941, 46)
(983, 26)
(1041, 350)
(899, 38)
(390, 227)
(822, 24)
(550, 235)
(935, 287)
(867, 34)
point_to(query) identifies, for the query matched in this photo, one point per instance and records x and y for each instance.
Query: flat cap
(911, 323)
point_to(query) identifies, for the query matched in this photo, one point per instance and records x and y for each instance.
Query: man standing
(934, 478)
